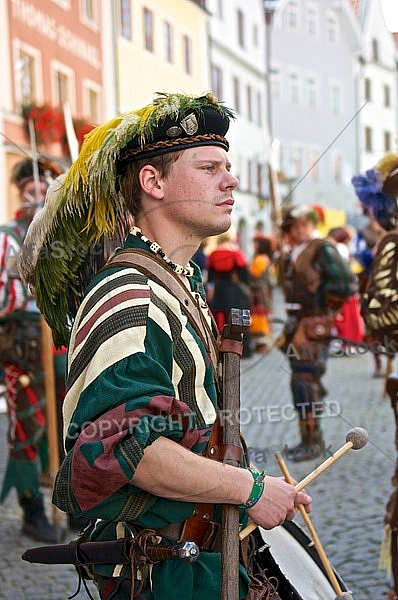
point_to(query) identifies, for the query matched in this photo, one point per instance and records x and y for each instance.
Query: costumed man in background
(316, 281)
(142, 379)
(21, 357)
(377, 189)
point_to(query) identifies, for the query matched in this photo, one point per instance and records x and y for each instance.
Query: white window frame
(121, 22)
(57, 67)
(187, 54)
(293, 87)
(312, 91)
(217, 79)
(336, 107)
(148, 11)
(19, 47)
(312, 19)
(64, 4)
(295, 168)
(332, 28)
(292, 15)
(337, 167)
(314, 163)
(91, 22)
(87, 87)
(275, 77)
(168, 42)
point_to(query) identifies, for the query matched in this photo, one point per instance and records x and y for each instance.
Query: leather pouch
(317, 328)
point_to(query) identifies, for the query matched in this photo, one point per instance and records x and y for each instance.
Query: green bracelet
(257, 489)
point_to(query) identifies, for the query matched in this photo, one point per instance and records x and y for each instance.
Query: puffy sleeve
(13, 293)
(129, 382)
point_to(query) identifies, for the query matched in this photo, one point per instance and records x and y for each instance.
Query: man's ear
(150, 181)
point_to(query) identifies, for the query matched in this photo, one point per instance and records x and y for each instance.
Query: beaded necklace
(157, 249)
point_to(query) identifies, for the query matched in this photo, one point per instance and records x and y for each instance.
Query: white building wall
(248, 135)
(381, 73)
(314, 48)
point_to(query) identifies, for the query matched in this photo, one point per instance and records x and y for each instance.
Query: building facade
(377, 85)
(52, 57)
(238, 76)
(315, 46)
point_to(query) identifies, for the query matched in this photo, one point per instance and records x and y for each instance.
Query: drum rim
(305, 541)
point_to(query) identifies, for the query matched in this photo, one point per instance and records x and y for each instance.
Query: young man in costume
(316, 282)
(20, 321)
(142, 383)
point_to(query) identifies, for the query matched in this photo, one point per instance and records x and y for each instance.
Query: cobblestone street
(348, 499)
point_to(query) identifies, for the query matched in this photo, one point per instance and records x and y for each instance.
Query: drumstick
(356, 438)
(306, 518)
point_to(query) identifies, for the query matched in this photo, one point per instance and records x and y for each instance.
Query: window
(260, 180)
(368, 89)
(368, 139)
(387, 95)
(25, 78)
(387, 141)
(88, 9)
(375, 50)
(313, 164)
(293, 88)
(236, 88)
(187, 54)
(292, 15)
(312, 21)
(249, 97)
(148, 29)
(255, 35)
(335, 99)
(216, 80)
(312, 93)
(295, 161)
(259, 109)
(91, 96)
(241, 28)
(168, 42)
(331, 26)
(275, 81)
(249, 176)
(61, 88)
(125, 19)
(337, 168)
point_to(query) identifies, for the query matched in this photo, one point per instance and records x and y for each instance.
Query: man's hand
(278, 503)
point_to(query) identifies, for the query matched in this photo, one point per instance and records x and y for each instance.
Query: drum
(288, 555)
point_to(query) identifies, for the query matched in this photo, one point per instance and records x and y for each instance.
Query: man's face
(32, 199)
(301, 230)
(198, 191)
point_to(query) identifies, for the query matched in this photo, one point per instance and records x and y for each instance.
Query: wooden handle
(306, 518)
(51, 407)
(231, 349)
(323, 466)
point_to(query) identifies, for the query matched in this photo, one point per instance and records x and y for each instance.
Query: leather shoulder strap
(305, 272)
(153, 267)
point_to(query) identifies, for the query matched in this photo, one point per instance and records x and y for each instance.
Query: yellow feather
(388, 163)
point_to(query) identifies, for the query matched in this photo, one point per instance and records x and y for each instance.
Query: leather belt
(199, 529)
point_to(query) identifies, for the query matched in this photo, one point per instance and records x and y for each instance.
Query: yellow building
(162, 47)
